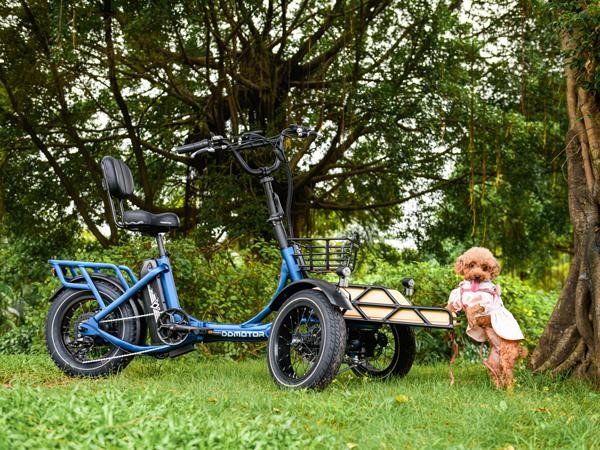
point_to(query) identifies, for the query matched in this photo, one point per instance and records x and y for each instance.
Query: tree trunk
(570, 343)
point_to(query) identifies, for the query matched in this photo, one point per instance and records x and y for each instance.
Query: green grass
(192, 402)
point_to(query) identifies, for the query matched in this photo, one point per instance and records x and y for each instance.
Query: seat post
(160, 242)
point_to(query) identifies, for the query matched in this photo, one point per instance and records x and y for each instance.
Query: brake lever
(299, 131)
(202, 150)
(219, 143)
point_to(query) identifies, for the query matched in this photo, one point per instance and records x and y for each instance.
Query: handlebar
(249, 141)
(209, 144)
(187, 148)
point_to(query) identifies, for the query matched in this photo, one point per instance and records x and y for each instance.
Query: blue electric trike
(104, 314)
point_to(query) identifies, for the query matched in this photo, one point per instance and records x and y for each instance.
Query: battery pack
(154, 299)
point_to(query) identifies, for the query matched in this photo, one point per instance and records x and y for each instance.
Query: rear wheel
(387, 351)
(307, 342)
(90, 356)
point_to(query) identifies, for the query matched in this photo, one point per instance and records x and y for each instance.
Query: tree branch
(133, 137)
(334, 153)
(323, 204)
(19, 119)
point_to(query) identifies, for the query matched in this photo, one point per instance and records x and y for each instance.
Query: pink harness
(503, 322)
(474, 286)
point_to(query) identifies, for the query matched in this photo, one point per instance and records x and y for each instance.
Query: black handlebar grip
(188, 148)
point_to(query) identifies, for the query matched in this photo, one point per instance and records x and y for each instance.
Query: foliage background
(232, 285)
(441, 127)
(441, 122)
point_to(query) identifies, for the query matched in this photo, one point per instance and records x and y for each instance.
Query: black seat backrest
(117, 177)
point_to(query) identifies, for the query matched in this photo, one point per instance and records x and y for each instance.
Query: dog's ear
(495, 270)
(459, 266)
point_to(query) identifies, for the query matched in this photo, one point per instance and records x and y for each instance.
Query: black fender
(136, 306)
(329, 290)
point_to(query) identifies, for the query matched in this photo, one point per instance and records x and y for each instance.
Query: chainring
(164, 326)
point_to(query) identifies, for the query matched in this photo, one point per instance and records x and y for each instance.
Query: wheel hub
(306, 345)
(381, 342)
(80, 320)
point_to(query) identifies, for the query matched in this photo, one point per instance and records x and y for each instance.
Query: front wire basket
(324, 255)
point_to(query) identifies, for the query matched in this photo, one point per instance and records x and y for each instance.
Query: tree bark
(570, 343)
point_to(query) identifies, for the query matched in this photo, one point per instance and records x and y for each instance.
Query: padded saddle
(118, 182)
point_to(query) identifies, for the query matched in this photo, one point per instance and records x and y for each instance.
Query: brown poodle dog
(489, 321)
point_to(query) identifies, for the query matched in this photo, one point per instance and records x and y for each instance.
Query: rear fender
(329, 290)
(136, 306)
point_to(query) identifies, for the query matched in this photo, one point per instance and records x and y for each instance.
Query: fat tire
(403, 356)
(331, 345)
(56, 346)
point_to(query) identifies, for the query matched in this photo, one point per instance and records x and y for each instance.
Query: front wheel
(388, 351)
(307, 342)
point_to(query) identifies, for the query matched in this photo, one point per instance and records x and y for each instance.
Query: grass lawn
(192, 402)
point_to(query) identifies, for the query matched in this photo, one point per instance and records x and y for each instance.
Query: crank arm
(188, 328)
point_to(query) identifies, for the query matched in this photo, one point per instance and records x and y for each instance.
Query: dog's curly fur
(478, 264)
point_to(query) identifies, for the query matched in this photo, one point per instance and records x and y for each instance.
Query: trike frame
(251, 330)
(319, 323)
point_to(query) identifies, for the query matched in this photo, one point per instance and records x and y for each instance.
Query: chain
(126, 318)
(126, 355)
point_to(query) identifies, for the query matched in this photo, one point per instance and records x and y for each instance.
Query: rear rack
(324, 255)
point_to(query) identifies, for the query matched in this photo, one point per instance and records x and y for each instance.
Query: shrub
(232, 285)
(223, 285)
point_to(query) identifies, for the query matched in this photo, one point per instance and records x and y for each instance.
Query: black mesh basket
(323, 255)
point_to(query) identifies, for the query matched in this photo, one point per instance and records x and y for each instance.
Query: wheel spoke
(302, 351)
(299, 342)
